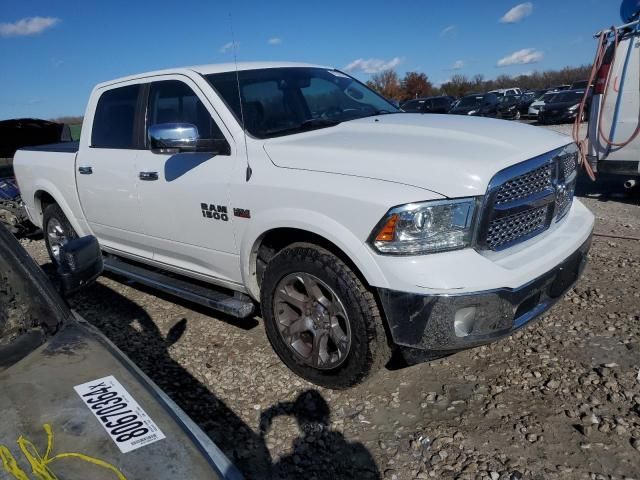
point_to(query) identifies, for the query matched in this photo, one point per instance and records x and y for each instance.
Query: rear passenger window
(441, 103)
(114, 120)
(172, 101)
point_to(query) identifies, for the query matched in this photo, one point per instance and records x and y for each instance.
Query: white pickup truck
(360, 230)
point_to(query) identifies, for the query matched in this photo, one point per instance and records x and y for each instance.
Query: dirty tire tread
(354, 295)
(54, 211)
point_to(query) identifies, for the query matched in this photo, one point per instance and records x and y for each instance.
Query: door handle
(85, 170)
(148, 176)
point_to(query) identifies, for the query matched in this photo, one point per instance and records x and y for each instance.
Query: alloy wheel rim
(312, 321)
(57, 237)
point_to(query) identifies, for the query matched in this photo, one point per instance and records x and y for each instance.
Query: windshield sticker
(125, 421)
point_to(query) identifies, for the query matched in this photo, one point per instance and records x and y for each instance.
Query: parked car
(428, 105)
(15, 134)
(563, 107)
(509, 107)
(74, 405)
(362, 231)
(501, 92)
(480, 105)
(616, 119)
(539, 102)
(526, 99)
(581, 85)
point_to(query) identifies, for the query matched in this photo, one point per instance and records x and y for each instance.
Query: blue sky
(53, 52)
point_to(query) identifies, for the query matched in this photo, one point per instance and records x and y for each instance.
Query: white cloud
(458, 65)
(27, 26)
(229, 46)
(517, 13)
(448, 30)
(372, 65)
(274, 41)
(521, 57)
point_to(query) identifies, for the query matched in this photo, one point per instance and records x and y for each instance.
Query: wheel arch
(265, 245)
(45, 196)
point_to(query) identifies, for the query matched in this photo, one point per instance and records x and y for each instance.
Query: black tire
(53, 212)
(369, 350)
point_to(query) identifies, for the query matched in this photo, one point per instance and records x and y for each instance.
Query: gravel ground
(560, 399)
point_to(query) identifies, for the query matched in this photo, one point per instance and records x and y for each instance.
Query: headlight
(574, 108)
(427, 227)
(472, 112)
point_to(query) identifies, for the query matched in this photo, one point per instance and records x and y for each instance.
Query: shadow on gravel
(607, 188)
(332, 456)
(318, 452)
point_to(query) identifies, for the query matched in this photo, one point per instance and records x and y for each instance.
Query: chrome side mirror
(184, 137)
(173, 137)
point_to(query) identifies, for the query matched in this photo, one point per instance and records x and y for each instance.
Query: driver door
(185, 196)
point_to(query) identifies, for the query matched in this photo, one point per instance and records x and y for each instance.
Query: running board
(237, 305)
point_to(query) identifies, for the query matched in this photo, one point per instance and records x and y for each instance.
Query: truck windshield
(283, 101)
(566, 97)
(470, 101)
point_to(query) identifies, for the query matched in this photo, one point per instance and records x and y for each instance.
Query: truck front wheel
(321, 320)
(57, 231)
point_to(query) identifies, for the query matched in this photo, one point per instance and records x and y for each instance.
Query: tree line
(417, 84)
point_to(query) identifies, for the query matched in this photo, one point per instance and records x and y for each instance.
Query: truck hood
(447, 154)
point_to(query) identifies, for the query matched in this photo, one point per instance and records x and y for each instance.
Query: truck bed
(62, 147)
(50, 169)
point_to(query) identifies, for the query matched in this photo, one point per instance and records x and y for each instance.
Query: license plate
(125, 421)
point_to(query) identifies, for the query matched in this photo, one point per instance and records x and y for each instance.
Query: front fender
(313, 222)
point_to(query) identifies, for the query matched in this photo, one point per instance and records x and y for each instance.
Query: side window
(442, 103)
(173, 101)
(411, 106)
(114, 120)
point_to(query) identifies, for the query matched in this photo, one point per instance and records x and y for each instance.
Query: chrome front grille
(525, 185)
(568, 165)
(524, 200)
(506, 230)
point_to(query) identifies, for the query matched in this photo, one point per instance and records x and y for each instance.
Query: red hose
(597, 64)
(582, 142)
(602, 134)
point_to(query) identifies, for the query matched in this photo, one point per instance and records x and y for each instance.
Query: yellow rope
(10, 465)
(40, 465)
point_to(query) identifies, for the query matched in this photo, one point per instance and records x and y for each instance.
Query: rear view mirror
(80, 264)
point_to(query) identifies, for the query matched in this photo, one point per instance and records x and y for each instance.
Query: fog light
(463, 321)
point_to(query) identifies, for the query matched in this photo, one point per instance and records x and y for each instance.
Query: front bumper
(557, 117)
(456, 322)
(508, 114)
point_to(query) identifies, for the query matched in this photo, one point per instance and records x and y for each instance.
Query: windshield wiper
(374, 113)
(306, 125)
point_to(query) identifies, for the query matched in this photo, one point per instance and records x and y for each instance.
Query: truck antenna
(235, 61)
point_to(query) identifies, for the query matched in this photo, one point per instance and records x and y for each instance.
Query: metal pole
(612, 29)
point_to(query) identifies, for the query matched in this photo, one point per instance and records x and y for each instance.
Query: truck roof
(210, 68)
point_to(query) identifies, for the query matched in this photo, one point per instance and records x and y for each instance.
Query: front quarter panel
(342, 209)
